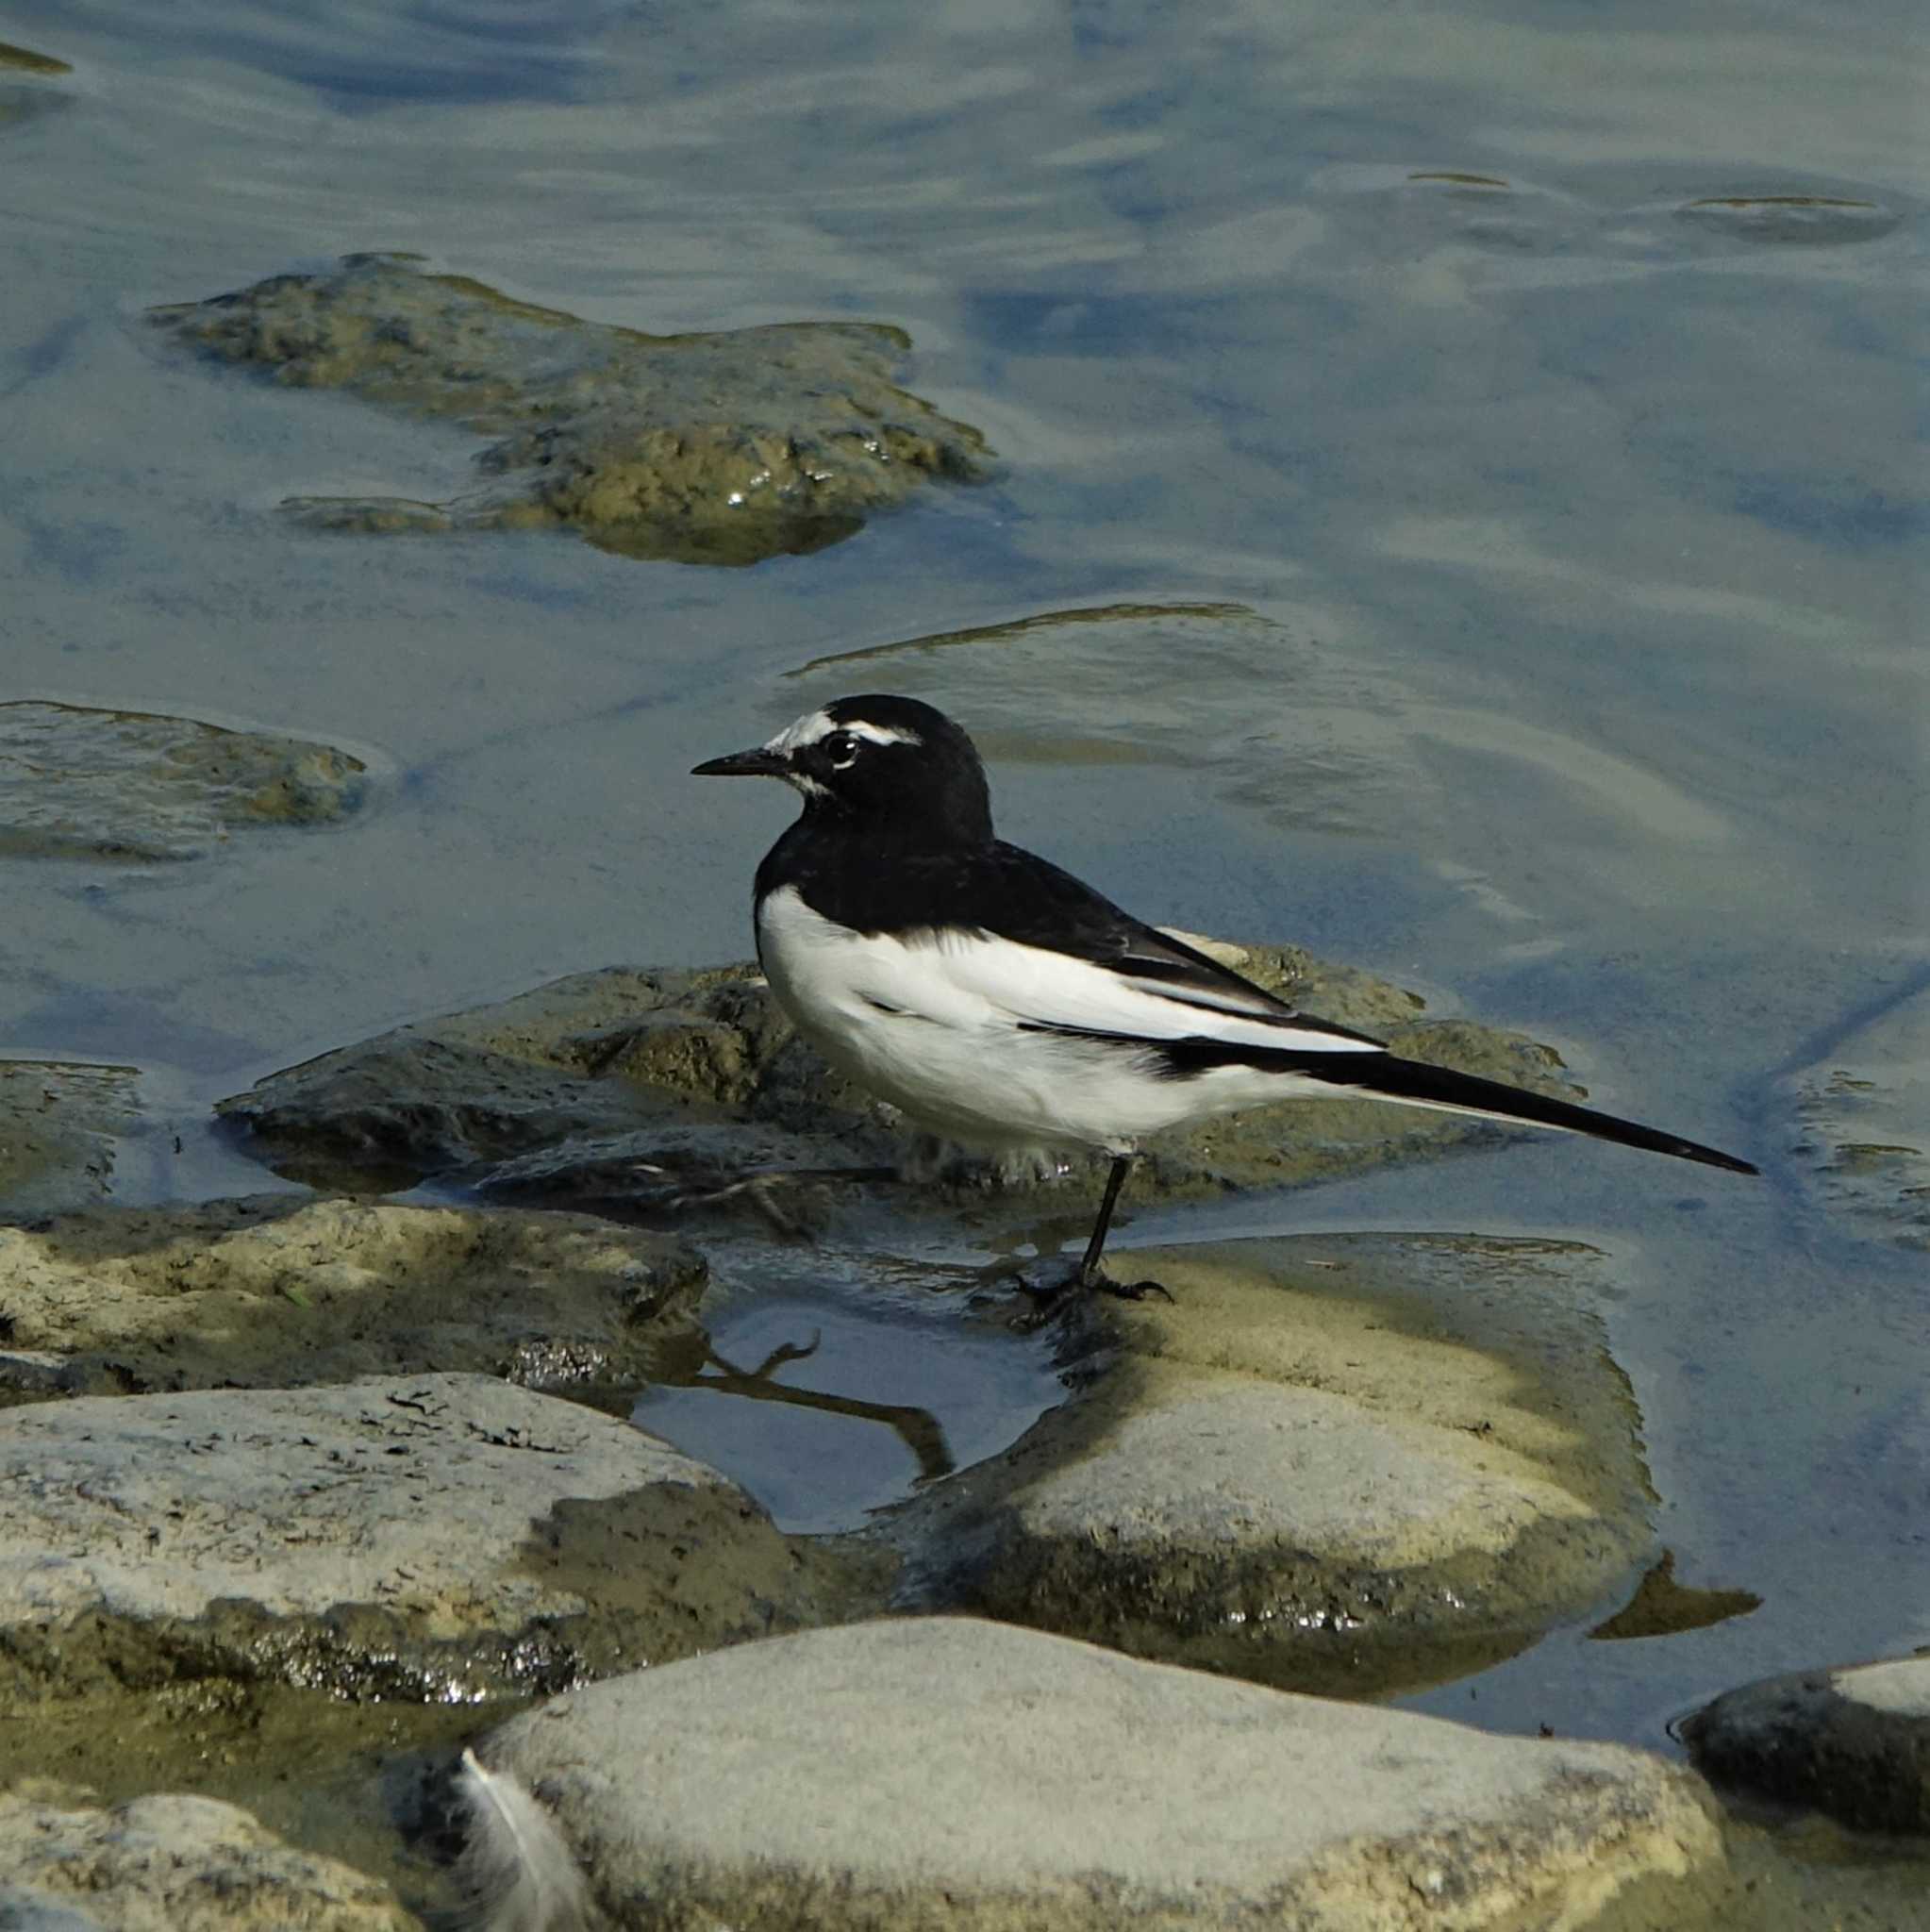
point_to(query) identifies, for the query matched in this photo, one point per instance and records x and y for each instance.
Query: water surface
(1539, 390)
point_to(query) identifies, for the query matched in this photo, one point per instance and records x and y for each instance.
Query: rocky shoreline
(373, 1454)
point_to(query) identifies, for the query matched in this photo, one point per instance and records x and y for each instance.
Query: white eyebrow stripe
(806, 730)
(814, 726)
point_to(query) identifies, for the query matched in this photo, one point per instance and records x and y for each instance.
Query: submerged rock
(442, 1538)
(1350, 1465)
(137, 786)
(272, 1291)
(59, 1123)
(1854, 1742)
(1814, 220)
(686, 1072)
(1662, 1606)
(25, 60)
(173, 1864)
(716, 448)
(22, 100)
(1866, 1114)
(946, 1771)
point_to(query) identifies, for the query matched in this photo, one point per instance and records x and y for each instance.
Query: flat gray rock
(1342, 1464)
(1854, 1742)
(133, 786)
(702, 448)
(947, 1773)
(434, 1537)
(272, 1291)
(173, 1864)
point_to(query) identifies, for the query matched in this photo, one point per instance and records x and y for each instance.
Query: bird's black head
(887, 765)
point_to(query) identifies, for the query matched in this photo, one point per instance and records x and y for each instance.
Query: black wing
(1014, 894)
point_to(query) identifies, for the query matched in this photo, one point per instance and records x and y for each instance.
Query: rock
(134, 786)
(173, 1864)
(1661, 1607)
(1815, 220)
(446, 1537)
(624, 1060)
(25, 60)
(689, 1071)
(718, 448)
(59, 1123)
(1353, 1465)
(949, 1773)
(1179, 680)
(1866, 1115)
(271, 1290)
(22, 1911)
(1854, 1742)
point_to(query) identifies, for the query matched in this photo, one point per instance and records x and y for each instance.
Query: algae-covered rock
(59, 1123)
(652, 1056)
(25, 60)
(669, 1072)
(943, 1772)
(438, 1538)
(713, 448)
(79, 783)
(173, 1864)
(269, 1291)
(1352, 1465)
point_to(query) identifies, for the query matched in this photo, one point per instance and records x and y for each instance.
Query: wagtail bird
(998, 1001)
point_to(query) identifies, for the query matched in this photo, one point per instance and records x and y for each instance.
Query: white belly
(925, 1026)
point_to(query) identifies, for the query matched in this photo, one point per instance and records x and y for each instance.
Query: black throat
(879, 870)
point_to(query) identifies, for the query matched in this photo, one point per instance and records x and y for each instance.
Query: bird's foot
(1050, 1294)
(1102, 1283)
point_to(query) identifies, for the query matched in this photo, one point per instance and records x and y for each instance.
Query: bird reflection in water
(917, 1428)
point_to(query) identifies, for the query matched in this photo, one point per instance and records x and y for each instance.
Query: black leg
(1090, 1274)
(1090, 1277)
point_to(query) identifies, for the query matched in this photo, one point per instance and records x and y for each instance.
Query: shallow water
(1538, 390)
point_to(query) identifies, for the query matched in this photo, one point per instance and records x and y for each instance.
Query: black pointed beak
(762, 762)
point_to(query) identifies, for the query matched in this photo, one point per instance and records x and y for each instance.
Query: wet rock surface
(1866, 1115)
(173, 1864)
(1299, 1473)
(718, 448)
(272, 1291)
(59, 1123)
(1033, 1781)
(1852, 1742)
(635, 1067)
(446, 1537)
(139, 787)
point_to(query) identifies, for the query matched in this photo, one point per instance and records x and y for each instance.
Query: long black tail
(1389, 1077)
(1422, 1085)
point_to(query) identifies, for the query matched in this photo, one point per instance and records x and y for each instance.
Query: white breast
(936, 1024)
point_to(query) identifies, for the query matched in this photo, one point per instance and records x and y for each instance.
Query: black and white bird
(997, 1001)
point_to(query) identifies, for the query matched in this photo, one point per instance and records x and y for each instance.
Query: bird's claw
(1128, 1290)
(1049, 1297)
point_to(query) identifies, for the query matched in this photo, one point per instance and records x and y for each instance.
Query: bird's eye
(840, 748)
